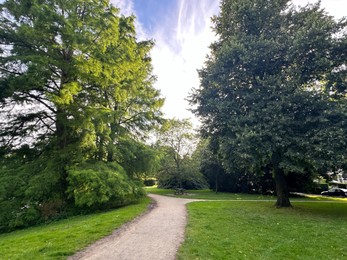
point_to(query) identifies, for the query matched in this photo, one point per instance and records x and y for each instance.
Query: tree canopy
(273, 90)
(75, 85)
(78, 69)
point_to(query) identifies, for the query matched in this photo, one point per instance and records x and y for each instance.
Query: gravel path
(156, 235)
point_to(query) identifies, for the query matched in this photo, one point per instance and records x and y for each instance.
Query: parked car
(338, 192)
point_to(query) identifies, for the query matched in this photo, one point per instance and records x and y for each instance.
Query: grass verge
(257, 230)
(60, 239)
(211, 195)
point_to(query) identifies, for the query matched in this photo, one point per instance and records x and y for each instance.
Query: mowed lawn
(245, 226)
(258, 230)
(60, 239)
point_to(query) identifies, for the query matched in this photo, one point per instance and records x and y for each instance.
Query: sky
(182, 33)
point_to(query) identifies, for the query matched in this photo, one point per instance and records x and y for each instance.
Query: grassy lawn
(211, 195)
(257, 230)
(60, 239)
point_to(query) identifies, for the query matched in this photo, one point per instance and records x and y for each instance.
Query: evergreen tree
(74, 82)
(273, 90)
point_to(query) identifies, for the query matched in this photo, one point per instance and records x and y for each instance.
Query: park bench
(179, 191)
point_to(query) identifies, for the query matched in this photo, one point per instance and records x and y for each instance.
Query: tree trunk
(216, 186)
(178, 169)
(61, 131)
(111, 144)
(112, 136)
(281, 189)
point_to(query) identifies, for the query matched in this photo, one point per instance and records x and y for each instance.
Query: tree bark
(282, 191)
(112, 136)
(61, 134)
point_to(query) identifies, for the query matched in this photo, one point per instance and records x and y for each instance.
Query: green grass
(60, 239)
(257, 230)
(211, 195)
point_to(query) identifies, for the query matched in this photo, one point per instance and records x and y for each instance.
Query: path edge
(117, 232)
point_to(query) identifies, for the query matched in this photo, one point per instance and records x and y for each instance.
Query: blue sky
(182, 32)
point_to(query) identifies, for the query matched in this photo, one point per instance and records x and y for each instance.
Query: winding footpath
(154, 236)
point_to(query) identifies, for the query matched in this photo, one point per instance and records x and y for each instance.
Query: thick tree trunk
(281, 190)
(280, 181)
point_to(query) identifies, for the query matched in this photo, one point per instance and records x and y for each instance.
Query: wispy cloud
(181, 47)
(126, 6)
(182, 36)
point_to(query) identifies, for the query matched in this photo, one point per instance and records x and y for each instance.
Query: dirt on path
(156, 235)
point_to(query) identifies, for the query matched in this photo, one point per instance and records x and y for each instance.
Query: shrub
(189, 180)
(101, 185)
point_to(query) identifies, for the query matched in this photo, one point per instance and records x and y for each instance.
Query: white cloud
(336, 8)
(126, 6)
(181, 47)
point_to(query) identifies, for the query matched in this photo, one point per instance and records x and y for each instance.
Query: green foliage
(26, 186)
(75, 83)
(138, 159)
(188, 177)
(101, 185)
(265, 98)
(179, 166)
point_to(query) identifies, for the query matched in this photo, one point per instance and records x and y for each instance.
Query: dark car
(338, 192)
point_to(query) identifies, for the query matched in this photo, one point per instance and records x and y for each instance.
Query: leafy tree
(236, 181)
(273, 90)
(179, 169)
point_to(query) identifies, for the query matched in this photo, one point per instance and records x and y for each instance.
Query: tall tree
(273, 90)
(78, 68)
(74, 81)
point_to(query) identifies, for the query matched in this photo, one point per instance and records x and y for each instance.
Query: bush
(101, 185)
(35, 190)
(186, 180)
(18, 209)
